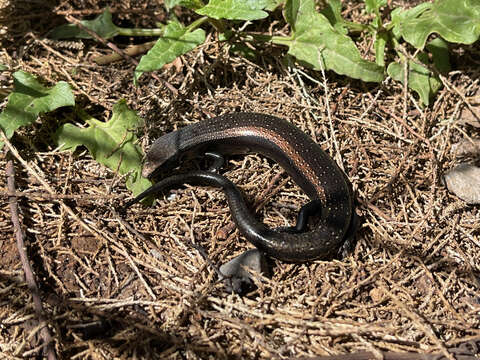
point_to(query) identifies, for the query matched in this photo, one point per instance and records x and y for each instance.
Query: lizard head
(163, 154)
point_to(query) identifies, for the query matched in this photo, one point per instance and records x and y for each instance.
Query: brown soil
(132, 286)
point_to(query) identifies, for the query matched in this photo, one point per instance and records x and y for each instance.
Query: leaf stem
(196, 23)
(352, 26)
(158, 31)
(139, 32)
(279, 40)
(219, 25)
(282, 40)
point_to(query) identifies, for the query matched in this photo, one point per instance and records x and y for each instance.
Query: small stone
(466, 147)
(236, 278)
(464, 181)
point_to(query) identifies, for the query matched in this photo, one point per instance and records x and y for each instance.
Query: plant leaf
(333, 12)
(420, 79)
(235, 9)
(441, 57)
(29, 99)
(374, 5)
(316, 43)
(190, 4)
(400, 16)
(273, 4)
(290, 13)
(455, 21)
(381, 39)
(176, 41)
(102, 25)
(110, 143)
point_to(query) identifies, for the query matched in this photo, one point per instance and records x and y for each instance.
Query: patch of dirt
(132, 285)
(8, 249)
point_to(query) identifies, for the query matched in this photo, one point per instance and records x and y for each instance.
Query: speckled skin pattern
(303, 159)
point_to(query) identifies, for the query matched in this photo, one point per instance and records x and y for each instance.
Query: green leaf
(373, 6)
(420, 79)
(441, 57)
(456, 21)
(290, 13)
(176, 41)
(110, 143)
(333, 12)
(102, 25)
(399, 16)
(235, 9)
(225, 36)
(316, 43)
(190, 4)
(171, 3)
(273, 4)
(29, 99)
(3, 67)
(381, 39)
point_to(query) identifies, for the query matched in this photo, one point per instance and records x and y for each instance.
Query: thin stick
(130, 51)
(81, 222)
(333, 136)
(115, 48)
(38, 195)
(48, 347)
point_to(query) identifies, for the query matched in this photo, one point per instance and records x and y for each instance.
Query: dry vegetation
(133, 286)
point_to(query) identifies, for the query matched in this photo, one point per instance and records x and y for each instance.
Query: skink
(303, 159)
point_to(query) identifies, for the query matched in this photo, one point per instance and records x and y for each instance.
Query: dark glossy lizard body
(303, 159)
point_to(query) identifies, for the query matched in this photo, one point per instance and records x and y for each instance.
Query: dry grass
(132, 287)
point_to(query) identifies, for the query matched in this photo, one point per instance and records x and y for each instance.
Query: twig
(427, 329)
(333, 136)
(115, 48)
(99, 236)
(130, 51)
(48, 347)
(205, 257)
(268, 193)
(46, 196)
